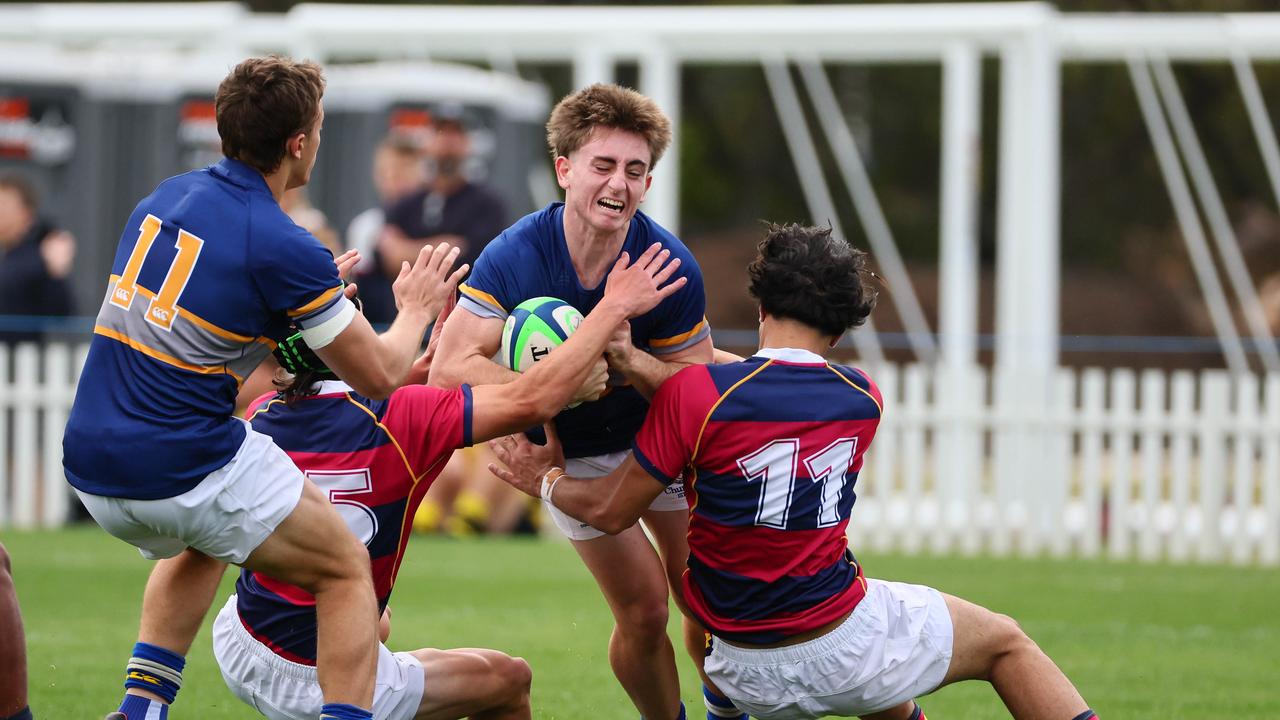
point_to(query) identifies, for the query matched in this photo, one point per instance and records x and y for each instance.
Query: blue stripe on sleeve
(466, 415)
(649, 467)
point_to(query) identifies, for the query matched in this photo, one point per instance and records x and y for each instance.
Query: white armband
(317, 336)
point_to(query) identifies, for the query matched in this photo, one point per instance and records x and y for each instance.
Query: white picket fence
(1147, 465)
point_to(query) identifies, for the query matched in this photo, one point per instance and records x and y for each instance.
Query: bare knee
(345, 563)
(1006, 639)
(518, 675)
(646, 619)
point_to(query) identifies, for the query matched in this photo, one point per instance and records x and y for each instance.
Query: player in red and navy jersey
(209, 270)
(376, 459)
(770, 449)
(605, 140)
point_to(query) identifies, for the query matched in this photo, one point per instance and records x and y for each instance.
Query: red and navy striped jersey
(770, 449)
(375, 459)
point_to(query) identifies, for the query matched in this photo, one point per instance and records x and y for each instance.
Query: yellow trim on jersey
(405, 519)
(164, 357)
(205, 324)
(698, 444)
(668, 342)
(481, 295)
(855, 386)
(320, 300)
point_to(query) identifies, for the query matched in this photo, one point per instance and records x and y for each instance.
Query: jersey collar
(332, 387)
(240, 174)
(791, 355)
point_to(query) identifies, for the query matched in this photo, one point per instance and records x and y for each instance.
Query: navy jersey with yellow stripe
(531, 259)
(208, 270)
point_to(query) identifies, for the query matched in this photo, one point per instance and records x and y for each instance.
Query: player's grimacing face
(605, 180)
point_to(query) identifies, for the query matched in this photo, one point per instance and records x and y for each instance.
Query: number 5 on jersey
(164, 304)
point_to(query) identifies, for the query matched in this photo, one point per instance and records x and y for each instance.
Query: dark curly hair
(805, 273)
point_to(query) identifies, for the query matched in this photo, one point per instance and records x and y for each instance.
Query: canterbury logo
(144, 677)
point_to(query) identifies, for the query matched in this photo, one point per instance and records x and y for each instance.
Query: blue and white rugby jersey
(208, 270)
(530, 259)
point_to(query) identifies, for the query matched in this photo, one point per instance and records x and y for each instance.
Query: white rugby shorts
(227, 516)
(670, 500)
(285, 690)
(894, 647)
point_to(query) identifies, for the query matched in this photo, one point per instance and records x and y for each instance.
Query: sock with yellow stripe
(156, 670)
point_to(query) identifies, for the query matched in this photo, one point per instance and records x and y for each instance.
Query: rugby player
(770, 449)
(605, 140)
(209, 270)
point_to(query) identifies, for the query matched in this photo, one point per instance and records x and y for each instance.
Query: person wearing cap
(449, 208)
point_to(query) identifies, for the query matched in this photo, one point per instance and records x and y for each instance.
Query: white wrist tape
(549, 483)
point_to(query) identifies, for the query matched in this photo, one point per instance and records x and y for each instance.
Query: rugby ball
(535, 328)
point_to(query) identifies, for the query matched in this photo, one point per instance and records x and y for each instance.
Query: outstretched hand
(428, 285)
(525, 462)
(637, 287)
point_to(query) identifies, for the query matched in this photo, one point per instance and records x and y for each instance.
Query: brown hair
(263, 103)
(611, 106)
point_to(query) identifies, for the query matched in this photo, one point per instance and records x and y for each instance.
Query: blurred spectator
(35, 260)
(298, 207)
(1269, 292)
(450, 208)
(398, 170)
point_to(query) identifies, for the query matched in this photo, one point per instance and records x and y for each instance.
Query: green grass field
(1139, 641)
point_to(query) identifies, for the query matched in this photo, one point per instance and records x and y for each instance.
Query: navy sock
(1086, 715)
(681, 715)
(135, 707)
(156, 670)
(917, 714)
(23, 714)
(342, 711)
(720, 707)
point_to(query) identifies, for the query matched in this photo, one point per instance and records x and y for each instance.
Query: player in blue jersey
(377, 459)
(770, 449)
(209, 271)
(605, 140)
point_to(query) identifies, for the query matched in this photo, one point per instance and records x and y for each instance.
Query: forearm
(554, 381)
(398, 347)
(587, 500)
(470, 369)
(646, 372)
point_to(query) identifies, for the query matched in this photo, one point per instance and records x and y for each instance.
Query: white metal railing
(1151, 465)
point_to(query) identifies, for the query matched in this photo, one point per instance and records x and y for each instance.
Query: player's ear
(295, 145)
(835, 341)
(562, 172)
